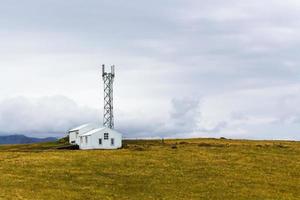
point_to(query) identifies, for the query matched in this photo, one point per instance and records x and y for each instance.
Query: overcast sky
(190, 68)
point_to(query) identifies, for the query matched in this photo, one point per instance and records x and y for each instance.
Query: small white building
(88, 136)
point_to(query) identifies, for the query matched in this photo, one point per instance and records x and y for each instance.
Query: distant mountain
(22, 139)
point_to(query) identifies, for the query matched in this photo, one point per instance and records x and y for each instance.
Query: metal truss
(108, 115)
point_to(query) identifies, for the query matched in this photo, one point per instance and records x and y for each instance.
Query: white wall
(93, 140)
(72, 137)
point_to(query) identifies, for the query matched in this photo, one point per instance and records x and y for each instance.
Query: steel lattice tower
(108, 115)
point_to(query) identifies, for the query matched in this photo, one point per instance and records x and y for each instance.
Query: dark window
(73, 142)
(112, 141)
(86, 139)
(106, 136)
(100, 141)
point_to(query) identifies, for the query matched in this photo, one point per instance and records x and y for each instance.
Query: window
(100, 141)
(86, 139)
(77, 134)
(112, 141)
(106, 136)
(73, 142)
(81, 140)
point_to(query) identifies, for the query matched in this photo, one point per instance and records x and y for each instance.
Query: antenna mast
(108, 115)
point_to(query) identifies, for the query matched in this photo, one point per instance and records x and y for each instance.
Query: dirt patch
(137, 148)
(211, 145)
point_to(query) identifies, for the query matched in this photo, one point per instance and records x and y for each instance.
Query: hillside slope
(177, 169)
(22, 139)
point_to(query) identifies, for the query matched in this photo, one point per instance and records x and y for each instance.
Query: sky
(184, 68)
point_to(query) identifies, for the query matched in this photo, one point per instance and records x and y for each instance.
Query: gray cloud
(204, 50)
(182, 117)
(42, 117)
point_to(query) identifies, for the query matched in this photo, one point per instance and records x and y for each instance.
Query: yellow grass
(178, 169)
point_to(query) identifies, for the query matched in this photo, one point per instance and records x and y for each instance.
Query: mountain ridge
(22, 139)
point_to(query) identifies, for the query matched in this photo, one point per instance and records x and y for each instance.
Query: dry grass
(177, 169)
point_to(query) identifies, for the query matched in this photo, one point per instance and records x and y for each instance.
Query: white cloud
(43, 116)
(253, 113)
(262, 113)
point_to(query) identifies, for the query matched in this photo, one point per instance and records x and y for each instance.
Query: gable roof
(84, 126)
(93, 131)
(97, 130)
(79, 127)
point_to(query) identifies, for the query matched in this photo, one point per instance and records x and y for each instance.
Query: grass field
(177, 169)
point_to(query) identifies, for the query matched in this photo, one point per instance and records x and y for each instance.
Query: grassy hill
(175, 169)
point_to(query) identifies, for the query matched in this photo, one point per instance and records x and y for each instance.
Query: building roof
(84, 126)
(79, 127)
(93, 131)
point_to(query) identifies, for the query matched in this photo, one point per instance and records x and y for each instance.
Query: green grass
(177, 169)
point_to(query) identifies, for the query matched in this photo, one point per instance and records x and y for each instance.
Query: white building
(88, 136)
